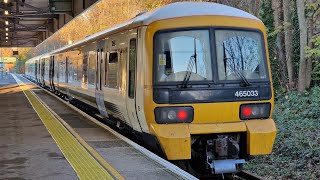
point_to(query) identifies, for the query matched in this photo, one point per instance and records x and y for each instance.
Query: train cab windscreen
(237, 55)
(240, 55)
(181, 52)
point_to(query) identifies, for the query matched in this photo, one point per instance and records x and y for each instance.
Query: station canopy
(26, 23)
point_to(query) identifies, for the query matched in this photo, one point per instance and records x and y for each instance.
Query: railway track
(243, 175)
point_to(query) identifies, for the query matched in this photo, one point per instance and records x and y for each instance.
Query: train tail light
(255, 111)
(168, 115)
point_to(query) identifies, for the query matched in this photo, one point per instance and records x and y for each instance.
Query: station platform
(43, 137)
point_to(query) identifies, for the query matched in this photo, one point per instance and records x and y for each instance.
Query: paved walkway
(27, 150)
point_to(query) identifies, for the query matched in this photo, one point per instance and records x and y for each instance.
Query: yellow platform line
(92, 151)
(85, 166)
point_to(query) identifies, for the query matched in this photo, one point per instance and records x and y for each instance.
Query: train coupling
(226, 166)
(222, 154)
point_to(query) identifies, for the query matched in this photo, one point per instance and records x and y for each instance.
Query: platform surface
(28, 151)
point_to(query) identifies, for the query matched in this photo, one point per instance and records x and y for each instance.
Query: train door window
(36, 69)
(113, 70)
(101, 68)
(75, 69)
(92, 68)
(105, 69)
(79, 70)
(97, 69)
(66, 74)
(132, 67)
(61, 74)
(42, 69)
(71, 71)
(85, 69)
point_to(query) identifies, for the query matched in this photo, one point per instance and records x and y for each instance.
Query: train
(191, 80)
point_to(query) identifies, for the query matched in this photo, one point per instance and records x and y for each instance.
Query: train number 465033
(251, 93)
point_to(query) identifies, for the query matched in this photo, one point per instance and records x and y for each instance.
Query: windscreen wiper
(234, 70)
(192, 62)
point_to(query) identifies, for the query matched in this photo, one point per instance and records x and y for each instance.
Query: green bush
(296, 152)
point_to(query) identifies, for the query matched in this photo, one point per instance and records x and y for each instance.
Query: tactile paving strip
(81, 161)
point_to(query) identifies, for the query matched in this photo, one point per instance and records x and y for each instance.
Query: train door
(100, 59)
(131, 82)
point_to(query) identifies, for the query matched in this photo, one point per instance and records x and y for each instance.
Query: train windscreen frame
(203, 44)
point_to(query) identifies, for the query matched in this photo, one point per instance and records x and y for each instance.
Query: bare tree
(313, 22)
(288, 40)
(303, 43)
(277, 12)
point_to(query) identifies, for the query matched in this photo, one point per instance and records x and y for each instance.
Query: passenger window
(113, 70)
(132, 67)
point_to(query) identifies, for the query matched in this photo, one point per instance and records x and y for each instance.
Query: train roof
(184, 9)
(173, 10)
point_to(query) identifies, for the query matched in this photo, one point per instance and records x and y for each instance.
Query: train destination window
(132, 66)
(180, 52)
(113, 70)
(239, 53)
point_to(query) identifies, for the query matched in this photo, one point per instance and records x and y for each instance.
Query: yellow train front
(208, 96)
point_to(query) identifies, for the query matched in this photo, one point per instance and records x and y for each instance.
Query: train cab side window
(113, 70)
(132, 67)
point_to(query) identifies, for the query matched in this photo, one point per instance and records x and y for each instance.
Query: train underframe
(218, 153)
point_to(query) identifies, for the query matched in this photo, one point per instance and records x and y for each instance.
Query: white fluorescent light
(7, 22)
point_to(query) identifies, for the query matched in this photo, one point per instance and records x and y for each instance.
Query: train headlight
(171, 115)
(168, 115)
(255, 111)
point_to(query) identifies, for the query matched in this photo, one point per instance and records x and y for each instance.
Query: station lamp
(6, 22)
(7, 29)
(5, 1)
(6, 12)
(7, 34)
(7, 37)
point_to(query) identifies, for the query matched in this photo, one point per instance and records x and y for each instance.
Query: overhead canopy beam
(35, 15)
